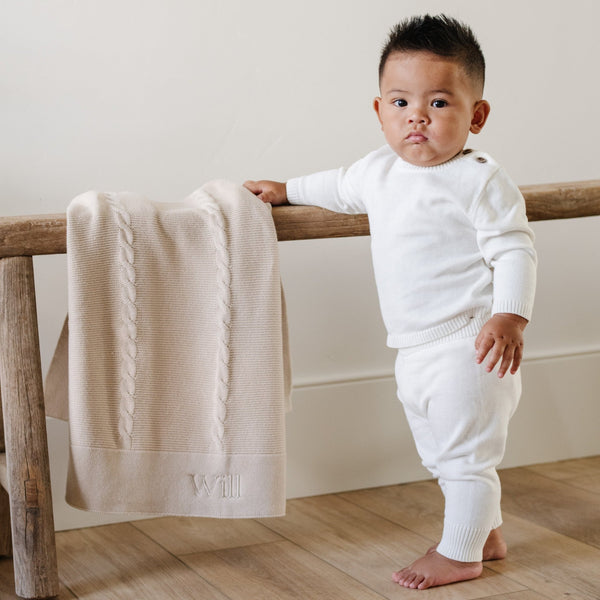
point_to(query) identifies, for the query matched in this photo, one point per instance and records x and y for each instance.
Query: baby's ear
(377, 108)
(480, 114)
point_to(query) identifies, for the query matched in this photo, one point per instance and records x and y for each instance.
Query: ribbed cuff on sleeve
(514, 307)
(292, 189)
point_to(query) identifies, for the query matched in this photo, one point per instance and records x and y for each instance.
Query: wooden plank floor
(344, 547)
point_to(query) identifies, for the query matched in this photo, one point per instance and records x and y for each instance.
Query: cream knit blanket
(178, 358)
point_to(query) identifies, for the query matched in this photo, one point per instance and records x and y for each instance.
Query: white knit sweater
(178, 366)
(450, 243)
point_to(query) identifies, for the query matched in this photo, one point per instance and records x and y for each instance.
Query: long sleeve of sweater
(334, 190)
(506, 243)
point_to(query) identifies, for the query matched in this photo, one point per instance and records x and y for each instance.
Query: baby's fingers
(254, 186)
(512, 356)
(261, 189)
(518, 357)
(497, 353)
(273, 192)
(483, 344)
(507, 359)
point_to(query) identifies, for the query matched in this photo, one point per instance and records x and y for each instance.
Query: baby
(455, 270)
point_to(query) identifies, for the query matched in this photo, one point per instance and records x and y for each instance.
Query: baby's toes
(401, 576)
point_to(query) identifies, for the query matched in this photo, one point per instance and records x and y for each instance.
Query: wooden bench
(26, 519)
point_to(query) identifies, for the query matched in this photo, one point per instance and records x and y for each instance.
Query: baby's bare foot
(434, 569)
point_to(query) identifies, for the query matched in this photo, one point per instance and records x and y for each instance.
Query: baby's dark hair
(441, 35)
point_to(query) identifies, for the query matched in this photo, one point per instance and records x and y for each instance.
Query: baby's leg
(459, 416)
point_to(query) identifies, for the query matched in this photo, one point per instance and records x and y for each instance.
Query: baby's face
(428, 106)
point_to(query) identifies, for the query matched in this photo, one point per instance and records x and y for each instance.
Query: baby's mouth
(416, 137)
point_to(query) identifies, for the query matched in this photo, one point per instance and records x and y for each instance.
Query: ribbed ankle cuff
(462, 543)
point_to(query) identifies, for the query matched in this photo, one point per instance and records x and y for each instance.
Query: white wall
(158, 97)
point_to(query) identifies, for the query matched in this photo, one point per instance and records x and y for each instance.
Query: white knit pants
(459, 415)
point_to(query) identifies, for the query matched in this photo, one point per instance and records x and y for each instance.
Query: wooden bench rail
(46, 234)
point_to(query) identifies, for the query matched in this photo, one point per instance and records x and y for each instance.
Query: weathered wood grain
(32, 235)
(28, 470)
(562, 200)
(5, 535)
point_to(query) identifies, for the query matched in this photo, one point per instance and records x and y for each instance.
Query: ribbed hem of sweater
(469, 323)
(463, 543)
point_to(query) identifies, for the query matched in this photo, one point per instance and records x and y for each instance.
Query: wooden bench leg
(5, 537)
(27, 466)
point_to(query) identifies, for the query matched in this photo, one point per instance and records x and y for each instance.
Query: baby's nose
(418, 116)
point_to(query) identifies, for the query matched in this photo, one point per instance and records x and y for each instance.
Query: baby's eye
(400, 103)
(439, 103)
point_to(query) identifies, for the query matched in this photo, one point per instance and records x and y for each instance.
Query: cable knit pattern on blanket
(179, 373)
(128, 331)
(223, 312)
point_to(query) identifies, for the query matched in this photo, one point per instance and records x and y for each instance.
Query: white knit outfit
(451, 246)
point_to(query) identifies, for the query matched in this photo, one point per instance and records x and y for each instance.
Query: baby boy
(455, 271)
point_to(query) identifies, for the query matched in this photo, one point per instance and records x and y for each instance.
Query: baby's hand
(502, 338)
(273, 192)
